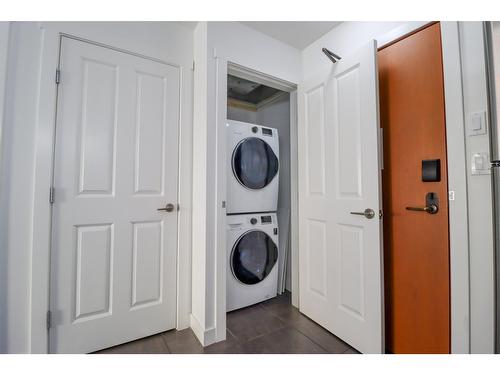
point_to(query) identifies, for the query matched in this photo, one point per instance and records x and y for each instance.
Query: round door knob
(168, 208)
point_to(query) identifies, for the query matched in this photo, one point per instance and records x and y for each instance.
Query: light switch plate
(480, 163)
(477, 123)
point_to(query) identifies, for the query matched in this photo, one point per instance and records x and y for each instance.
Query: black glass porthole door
(253, 257)
(254, 163)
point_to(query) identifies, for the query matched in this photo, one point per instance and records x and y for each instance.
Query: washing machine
(253, 168)
(252, 256)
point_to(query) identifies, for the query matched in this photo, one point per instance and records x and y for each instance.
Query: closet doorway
(267, 106)
(252, 103)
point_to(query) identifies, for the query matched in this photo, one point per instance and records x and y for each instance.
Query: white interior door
(113, 275)
(340, 255)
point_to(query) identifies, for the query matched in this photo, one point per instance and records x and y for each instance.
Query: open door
(340, 257)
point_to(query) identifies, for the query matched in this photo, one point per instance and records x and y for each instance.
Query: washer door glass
(253, 257)
(254, 163)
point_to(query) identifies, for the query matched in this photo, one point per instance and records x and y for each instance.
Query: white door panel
(340, 253)
(113, 273)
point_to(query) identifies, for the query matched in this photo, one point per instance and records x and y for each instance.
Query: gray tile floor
(270, 327)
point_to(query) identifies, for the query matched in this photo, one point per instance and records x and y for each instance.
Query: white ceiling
(298, 34)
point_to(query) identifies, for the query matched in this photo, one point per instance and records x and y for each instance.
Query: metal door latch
(368, 213)
(431, 204)
(168, 208)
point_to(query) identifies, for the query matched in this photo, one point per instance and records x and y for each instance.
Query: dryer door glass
(254, 163)
(253, 257)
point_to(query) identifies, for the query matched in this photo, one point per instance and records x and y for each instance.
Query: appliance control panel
(266, 131)
(267, 219)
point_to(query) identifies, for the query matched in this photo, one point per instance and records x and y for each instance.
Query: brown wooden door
(416, 248)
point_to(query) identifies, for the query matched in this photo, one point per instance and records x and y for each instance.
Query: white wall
(24, 135)
(481, 249)
(216, 43)
(347, 37)
(17, 184)
(239, 44)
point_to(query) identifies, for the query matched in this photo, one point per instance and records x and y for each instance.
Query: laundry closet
(258, 192)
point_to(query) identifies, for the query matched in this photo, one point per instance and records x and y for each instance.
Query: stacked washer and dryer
(252, 201)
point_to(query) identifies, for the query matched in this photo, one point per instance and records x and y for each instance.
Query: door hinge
(49, 319)
(58, 76)
(51, 195)
(193, 64)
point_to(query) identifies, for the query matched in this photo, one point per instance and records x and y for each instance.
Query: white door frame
(4, 50)
(455, 140)
(457, 174)
(38, 340)
(223, 68)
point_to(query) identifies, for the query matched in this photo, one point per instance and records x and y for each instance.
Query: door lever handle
(368, 213)
(169, 208)
(431, 209)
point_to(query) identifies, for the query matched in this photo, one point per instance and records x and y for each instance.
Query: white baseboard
(205, 336)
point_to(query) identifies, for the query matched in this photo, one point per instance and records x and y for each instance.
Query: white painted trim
(259, 77)
(117, 49)
(4, 59)
(457, 182)
(44, 143)
(294, 198)
(200, 305)
(185, 201)
(206, 337)
(4, 50)
(221, 67)
(455, 144)
(479, 192)
(38, 341)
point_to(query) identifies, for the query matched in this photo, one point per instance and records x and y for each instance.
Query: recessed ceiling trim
(261, 78)
(232, 102)
(271, 99)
